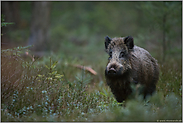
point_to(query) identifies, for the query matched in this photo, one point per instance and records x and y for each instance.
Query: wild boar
(129, 64)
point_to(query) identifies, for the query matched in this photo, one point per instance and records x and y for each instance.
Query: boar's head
(119, 55)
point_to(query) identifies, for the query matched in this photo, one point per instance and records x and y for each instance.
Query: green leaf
(47, 66)
(58, 76)
(5, 23)
(54, 64)
(103, 94)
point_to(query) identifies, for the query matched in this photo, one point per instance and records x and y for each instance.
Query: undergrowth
(53, 90)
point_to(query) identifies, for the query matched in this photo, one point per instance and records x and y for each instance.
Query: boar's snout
(113, 70)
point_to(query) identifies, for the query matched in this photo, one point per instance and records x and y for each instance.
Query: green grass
(52, 89)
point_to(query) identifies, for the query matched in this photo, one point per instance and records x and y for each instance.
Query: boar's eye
(110, 54)
(122, 54)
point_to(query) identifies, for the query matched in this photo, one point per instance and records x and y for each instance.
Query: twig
(86, 68)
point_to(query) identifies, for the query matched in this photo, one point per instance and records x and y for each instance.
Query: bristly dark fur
(129, 64)
(118, 85)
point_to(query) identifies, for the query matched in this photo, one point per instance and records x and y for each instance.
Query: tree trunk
(164, 38)
(40, 26)
(11, 12)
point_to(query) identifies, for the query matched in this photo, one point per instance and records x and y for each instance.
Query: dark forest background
(155, 26)
(64, 37)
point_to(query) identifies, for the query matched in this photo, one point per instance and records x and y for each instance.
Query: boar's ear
(107, 41)
(129, 42)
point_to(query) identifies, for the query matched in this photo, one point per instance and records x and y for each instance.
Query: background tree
(39, 28)
(163, 18)
(11, 12)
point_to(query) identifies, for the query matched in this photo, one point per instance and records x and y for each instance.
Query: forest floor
(57, 88)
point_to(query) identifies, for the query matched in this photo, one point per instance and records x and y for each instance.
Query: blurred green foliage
(52, 89)
(3, 23)
(158, 109)
(82, 26)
